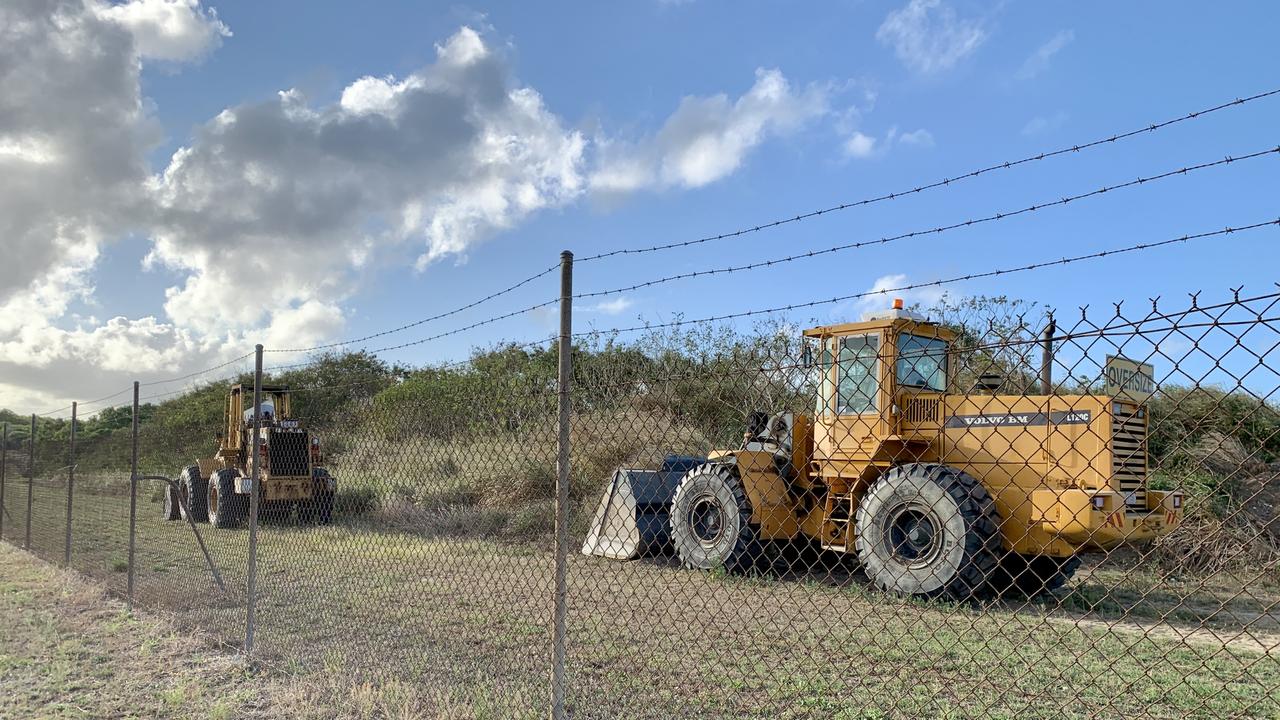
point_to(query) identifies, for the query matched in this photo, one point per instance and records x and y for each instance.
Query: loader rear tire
(928, 530)
(197, 493)
(711, 520)
(224, 505)
(1032, 575)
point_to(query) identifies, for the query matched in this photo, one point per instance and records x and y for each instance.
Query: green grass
(463, 624)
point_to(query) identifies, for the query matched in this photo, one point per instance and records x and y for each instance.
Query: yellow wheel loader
(217, 489)
(936, 493)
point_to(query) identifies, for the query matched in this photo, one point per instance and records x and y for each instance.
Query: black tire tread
(197, 493)
(746, 550)
(982, 540)
(228, 513)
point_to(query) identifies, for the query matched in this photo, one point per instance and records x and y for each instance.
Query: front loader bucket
(634, 515)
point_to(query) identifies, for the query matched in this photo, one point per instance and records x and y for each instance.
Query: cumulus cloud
(708, 138)
(178, 30)
(929, 37)
(1039, 60)
(71, 181)
(294, 192)
(285, 199)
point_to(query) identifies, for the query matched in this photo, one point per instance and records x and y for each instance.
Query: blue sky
(705, 116)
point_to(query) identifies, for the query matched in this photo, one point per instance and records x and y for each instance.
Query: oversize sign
(1126, 378)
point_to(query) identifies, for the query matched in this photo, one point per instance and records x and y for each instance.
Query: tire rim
(213, 500)
(706, 519)
(913, 535)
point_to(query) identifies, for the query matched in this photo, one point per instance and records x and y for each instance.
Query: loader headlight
(1099, 502)
(1177, 501)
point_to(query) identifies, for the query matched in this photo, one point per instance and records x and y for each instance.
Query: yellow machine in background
(217, 489)
(936, 493)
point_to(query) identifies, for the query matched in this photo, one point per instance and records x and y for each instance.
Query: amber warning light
(897, 303)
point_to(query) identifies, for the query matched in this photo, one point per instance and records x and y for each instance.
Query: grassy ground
(461, 625)
(69, 650)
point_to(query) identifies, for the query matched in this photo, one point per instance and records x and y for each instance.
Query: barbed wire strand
(1153, 127)
(931, 231)
(422, 321)
(939, 183)
(947, 281)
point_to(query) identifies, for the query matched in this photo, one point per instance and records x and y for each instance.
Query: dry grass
(69, 650)
(401, 625)
(499, 484)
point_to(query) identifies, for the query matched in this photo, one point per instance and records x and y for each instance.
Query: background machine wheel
(197, 491)
(172, 508)
(928, 530)
(225, 507)
(711, 520)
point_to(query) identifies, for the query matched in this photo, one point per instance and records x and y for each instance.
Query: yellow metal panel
(771, 504)
(208, 466)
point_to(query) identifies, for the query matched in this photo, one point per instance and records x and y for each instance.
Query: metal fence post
(31, 480)
(254, 459)
(71, 485)
(562, 487)
(4, 461)
(1046, 358)
(133, 496)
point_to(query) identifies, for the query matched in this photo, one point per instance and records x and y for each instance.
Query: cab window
(922, 362)
(856, 376)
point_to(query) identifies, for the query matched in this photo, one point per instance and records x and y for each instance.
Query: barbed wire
(931, 231)
(86, 403)
(941, 183)
(889, 196)
(431, 366)
(945, 182)
(936, 283)
(582, 382)
(426, 320)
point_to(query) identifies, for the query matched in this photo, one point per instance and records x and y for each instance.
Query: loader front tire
(225, 506)
(928, 530)
(196, 489)
(711, 520)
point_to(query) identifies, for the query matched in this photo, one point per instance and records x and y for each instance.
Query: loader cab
(239, 415)
(876, 379)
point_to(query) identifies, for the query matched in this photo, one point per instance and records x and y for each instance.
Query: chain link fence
(976, 509)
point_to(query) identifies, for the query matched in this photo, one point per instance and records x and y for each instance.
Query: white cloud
(178, 30)
(275, 210)
(73, 140)
(919, 138)
(862, 146)
(1040, 124)
(616, 306)
(928, 37)
(707, 138)
(1039, 60)
(881, 294)
(438, 160)
(859, 145)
